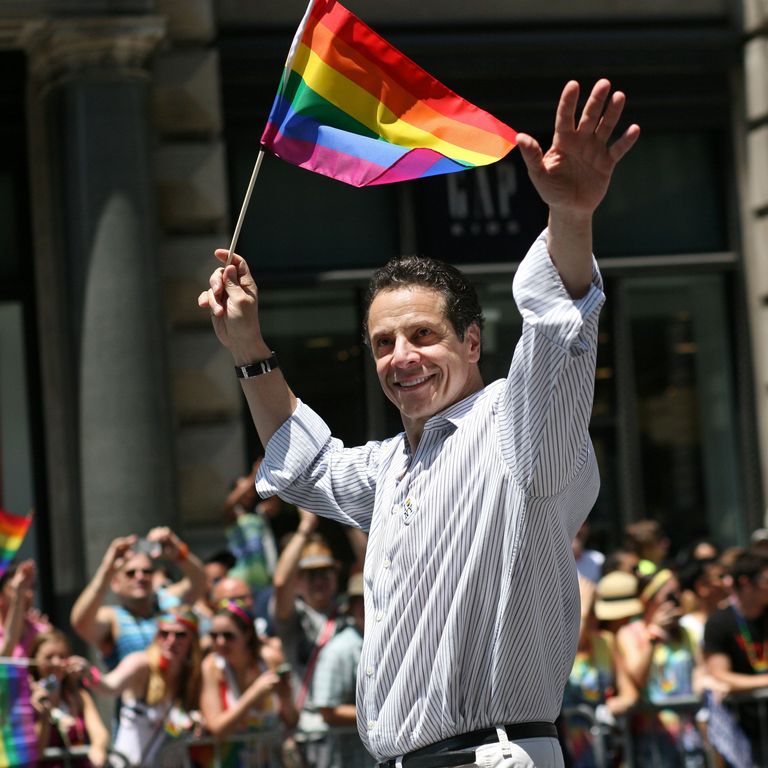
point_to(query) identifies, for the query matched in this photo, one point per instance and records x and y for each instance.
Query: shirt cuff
(545, 303)
(291, 450)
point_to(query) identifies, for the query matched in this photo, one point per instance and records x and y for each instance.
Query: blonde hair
(157, 685)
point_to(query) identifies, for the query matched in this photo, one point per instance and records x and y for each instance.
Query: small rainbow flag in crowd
(18, 739)
(352, 107)
(13, 528)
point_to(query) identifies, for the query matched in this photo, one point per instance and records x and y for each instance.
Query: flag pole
(15, 661)
(244, 207)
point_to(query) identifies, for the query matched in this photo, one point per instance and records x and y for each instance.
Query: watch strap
(252, 370)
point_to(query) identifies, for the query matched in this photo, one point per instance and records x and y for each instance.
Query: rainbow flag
(18, 740)
(13, 528)
(352, 107)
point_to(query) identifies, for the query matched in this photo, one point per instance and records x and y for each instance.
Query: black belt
(459, 750)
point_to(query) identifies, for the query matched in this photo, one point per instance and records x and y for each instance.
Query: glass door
(677, 396)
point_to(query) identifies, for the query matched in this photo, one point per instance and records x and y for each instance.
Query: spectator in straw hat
(665, 662)
(598, 680)
(306, 617)
(333, 687)
(616, 600)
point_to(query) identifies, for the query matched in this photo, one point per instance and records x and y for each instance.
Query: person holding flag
(20, 624)
(471, 595)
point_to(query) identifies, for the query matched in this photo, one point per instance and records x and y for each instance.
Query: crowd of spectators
(673, 647)
(264, 637)
(245, 641)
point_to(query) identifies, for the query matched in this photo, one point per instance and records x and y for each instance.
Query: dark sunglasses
(228, 637)
(176, 634)
(142, 571)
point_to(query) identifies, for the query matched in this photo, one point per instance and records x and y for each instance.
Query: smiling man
(471, 597)
(426, 354)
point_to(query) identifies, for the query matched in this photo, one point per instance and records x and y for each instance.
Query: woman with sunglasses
(243, 688)
(159, 689)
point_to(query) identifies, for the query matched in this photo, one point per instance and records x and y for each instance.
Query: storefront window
(686, 442)
(663, 424)
(300, 222)
(317, 331)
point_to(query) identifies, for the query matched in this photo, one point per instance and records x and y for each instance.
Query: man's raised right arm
(90, 618)
(232, 301)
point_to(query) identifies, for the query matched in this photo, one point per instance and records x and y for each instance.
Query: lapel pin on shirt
(409, 509)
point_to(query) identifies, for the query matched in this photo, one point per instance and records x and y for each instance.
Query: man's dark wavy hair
(748, 565)
(462, 307)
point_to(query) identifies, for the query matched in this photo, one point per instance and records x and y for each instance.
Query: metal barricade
(607, 741)
(259, 749)
(758, 697)
(70, 756)
(611, 743)
(688, 705)
(254, 750)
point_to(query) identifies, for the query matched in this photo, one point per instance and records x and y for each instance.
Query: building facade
(134, 128)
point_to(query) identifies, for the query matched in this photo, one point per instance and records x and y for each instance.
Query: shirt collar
(458, 412)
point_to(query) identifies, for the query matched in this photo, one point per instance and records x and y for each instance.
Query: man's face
(214, 573)
(318, 586)
(134, 580)
(713, 585)
(761, 586)
(422, 365)
(174, 640)
(230, 588)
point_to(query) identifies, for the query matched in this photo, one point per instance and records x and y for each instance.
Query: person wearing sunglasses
(243, 685)
(159, 689)
(127, 568)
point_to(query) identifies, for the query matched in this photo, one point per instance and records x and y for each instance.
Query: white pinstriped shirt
(471, 598)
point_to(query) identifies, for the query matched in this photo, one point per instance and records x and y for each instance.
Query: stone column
(99, 279)
(753, 178)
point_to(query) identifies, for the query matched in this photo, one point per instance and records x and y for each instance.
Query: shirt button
(369, 671)
(387, 562)
(371, 725)
(379, 616)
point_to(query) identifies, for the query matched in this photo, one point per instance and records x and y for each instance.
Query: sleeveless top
(667, 732)
(262, 716)
(262, 750)
(141, 732)
(134, 634)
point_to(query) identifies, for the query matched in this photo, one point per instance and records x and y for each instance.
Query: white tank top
(140, 733)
